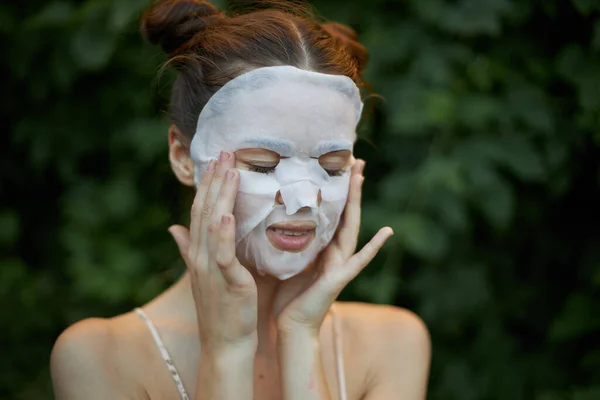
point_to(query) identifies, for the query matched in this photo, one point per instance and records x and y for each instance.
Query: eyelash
(262, 170)
(269, 170)
(338, 172)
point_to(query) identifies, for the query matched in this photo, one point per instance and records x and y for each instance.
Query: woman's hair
(208, 48)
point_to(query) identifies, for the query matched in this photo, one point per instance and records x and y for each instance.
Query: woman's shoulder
(393, 343)
(93, 352)
(383, 321)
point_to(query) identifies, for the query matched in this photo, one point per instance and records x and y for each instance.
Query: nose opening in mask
(298, 195)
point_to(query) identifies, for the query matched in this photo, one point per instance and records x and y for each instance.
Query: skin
(234, 334)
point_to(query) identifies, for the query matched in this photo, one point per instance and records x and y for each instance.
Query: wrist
(301, 339)
(224, 364)
(225, 371)
(228, 353)
(301, 369)
(295, 329)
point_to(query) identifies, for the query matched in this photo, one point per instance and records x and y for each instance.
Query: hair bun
(348, 38)
(172, 23)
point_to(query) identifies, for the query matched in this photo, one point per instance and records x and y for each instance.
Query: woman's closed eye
(257, 160)
(335, 162)
(337, 172)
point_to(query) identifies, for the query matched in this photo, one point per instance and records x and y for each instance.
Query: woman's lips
(292, 236)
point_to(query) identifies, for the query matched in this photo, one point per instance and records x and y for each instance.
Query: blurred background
(483, 154)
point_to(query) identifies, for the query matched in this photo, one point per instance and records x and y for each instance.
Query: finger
(182, 238)
(198, 206)
(361, 259)
(226, 160)
(357, 167)
(350, 222)
(233, 272)
(226, 200)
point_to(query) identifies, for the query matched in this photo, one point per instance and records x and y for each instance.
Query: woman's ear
(179, 156)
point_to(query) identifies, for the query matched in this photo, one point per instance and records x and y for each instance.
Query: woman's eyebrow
(276, 145)
(332, 145)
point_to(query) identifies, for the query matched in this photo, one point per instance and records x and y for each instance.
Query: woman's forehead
(309, 119)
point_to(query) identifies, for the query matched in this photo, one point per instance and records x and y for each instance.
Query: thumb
(182, 238)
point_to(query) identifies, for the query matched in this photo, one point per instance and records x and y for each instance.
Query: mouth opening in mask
(291, 236)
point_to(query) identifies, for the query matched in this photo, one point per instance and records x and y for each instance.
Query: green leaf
(450, 208)
(519, 155)
(493, 196)
(119, 197)
(408, 114)
(440, 171)
(92, 45)
(14, 274)
(396, 188)
(477, 111)
(571, 61)
(9, 227)
(56, 13)
(586, 6)
(7, 20)
(480, 73)
(123, 12)
(146, 137)
(528, 105)
(379, 288)
(440, 108)
(551, 396)
(596, 36)
(473, 17)
(592, 393)
(420, 235)
(578, 317)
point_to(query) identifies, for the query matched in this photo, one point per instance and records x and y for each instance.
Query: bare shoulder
(86, 361)
(390, 325)
(393, 343)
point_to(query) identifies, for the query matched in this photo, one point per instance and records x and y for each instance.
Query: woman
(264, 113)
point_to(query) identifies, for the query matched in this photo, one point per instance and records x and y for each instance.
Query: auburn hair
(208, 48)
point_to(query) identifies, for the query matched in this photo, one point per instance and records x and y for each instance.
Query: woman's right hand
(224, 291)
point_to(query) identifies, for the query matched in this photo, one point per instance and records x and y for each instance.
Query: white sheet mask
(300, 115)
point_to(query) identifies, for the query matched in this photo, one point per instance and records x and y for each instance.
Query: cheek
(248, 206)
(250, 210)
(336, 190)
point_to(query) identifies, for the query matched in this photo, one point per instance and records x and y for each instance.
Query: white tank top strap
(339, 356)
(164, 353)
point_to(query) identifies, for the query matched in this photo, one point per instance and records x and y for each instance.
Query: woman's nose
(279, 198)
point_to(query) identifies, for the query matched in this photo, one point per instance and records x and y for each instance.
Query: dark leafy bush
(483, 155)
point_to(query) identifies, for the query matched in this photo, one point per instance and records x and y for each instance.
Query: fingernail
(361, 167)
(224, 156)
(230, 175)
(211, 166)
(226, 219)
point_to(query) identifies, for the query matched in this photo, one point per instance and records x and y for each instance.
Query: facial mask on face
(300, 115)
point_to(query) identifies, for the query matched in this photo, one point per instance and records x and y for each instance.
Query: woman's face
(293, 145)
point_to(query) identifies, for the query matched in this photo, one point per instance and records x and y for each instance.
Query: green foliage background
(483, 155)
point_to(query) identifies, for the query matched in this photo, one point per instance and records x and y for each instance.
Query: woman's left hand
(303, 301)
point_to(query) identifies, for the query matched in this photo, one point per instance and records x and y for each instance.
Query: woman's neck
(179, 297)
